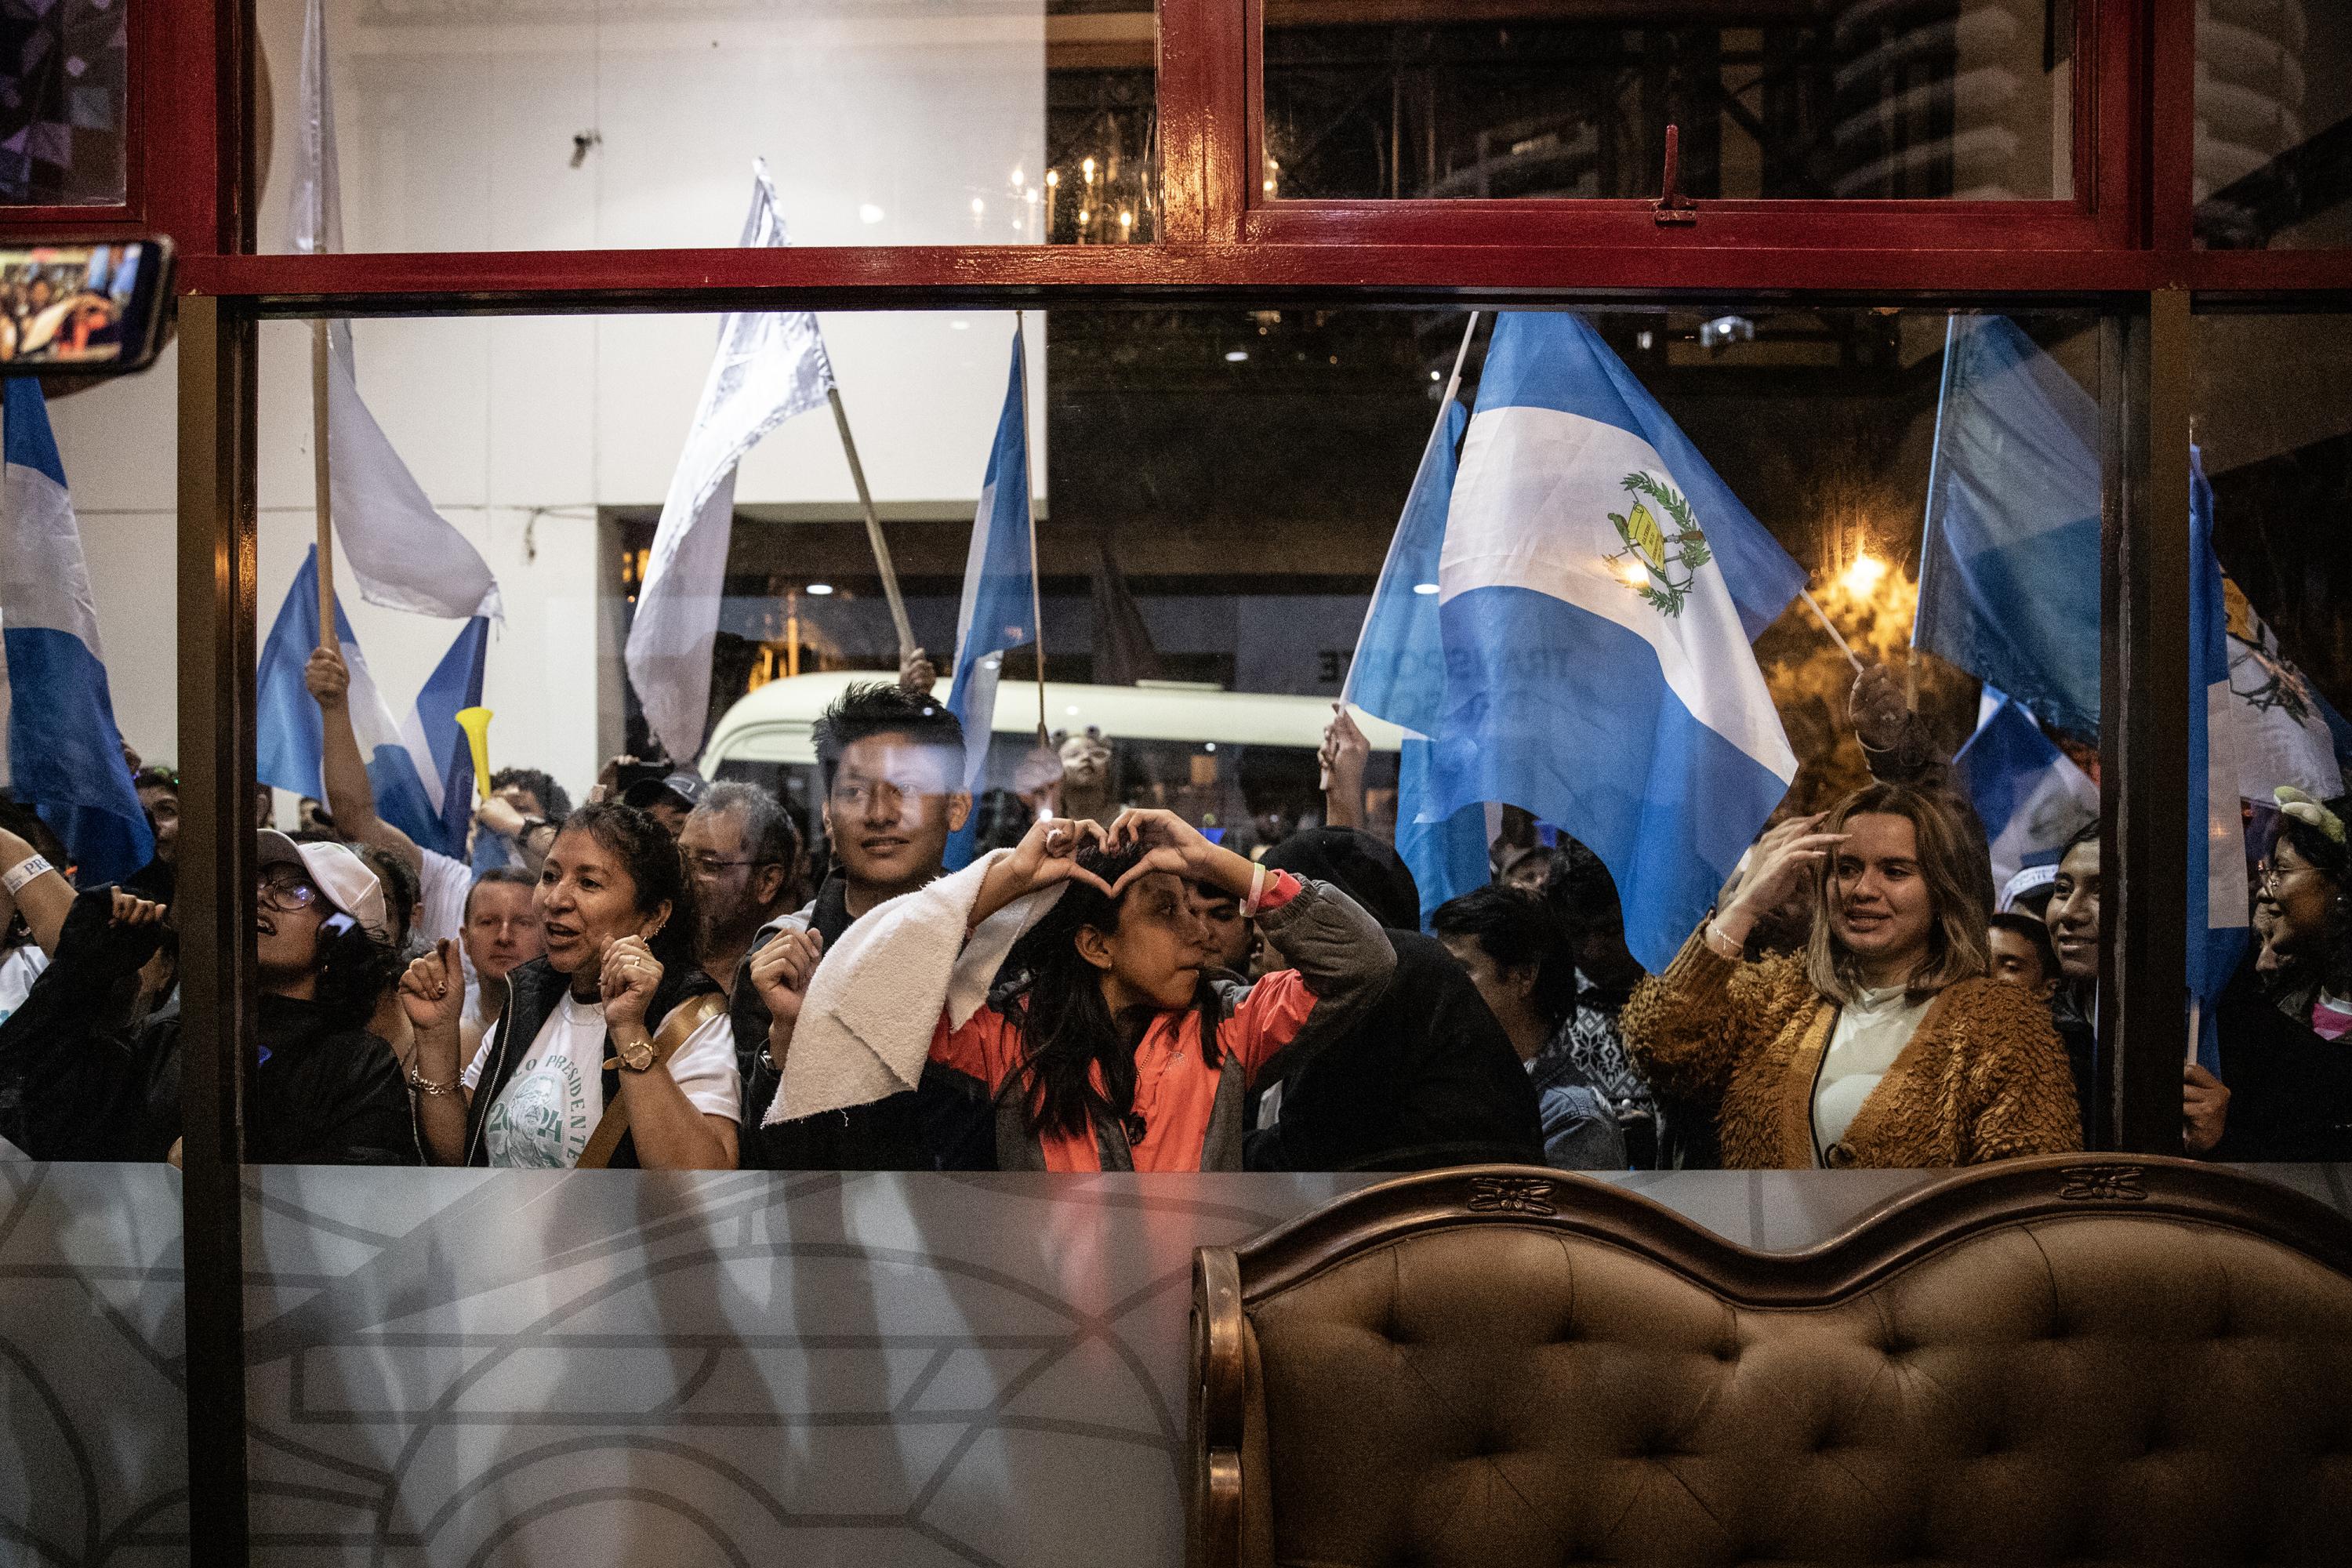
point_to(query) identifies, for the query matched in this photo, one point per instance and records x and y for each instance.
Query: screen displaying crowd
(666, 976)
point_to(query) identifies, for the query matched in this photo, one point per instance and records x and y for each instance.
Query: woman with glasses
(2287, 1034)
(89, 1086)
(613, 1048)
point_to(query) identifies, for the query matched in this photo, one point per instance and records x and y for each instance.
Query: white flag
(405, 555)
(769, 367)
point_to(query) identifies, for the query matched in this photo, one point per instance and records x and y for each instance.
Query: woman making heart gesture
(1106, 1046)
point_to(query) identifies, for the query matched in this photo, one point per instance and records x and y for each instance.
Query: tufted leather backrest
(1982, 1377)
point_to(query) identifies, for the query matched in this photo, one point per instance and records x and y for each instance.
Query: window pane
(2275, 432)
(1966, 99)
(552, 124)
(62, 79)
(2274, 124)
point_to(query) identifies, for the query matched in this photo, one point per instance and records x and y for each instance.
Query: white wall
(456, 119)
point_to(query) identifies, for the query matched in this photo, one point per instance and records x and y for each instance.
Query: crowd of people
(656, 978)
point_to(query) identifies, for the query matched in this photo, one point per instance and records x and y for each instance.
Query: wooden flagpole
(1029, 505)
(873, 529)
(322, 479)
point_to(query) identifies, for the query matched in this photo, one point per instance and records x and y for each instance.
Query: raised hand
(1344, 748)
(781, 973)
(327, 678)
(917, 673)
(1171, 844)
(626, 982)
(1048, 853)
(432, 990)
(1782, 863)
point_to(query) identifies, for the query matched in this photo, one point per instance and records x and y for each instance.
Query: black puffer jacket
(326, 1092)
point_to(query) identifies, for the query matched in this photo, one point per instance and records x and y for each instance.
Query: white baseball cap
(2030, 879)
(337, 872)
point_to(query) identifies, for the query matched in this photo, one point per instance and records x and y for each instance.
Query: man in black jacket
(1428, 1079)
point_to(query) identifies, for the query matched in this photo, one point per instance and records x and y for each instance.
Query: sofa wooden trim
(1227, 1282)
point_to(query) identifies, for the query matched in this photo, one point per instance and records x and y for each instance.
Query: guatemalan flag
(1000, 591)
(1399, 675)
(65, 755)
(419, 764)
(2009, 566)
(1597, 593)
(2029, 794)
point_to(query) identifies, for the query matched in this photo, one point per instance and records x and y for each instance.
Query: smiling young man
(891, 760)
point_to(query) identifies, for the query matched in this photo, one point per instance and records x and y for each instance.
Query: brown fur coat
(1984, 1076)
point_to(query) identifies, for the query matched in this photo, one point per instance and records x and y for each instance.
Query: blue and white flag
(1000, 592)
(1399, 674)
(2009, 567)
(2218, 908)
(2029, 794)
(1597, 593)
(2287, 733)
(405, 554)
(769, 367)
(419, 765)
(65, 755)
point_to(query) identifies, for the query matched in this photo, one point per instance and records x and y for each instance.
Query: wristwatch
(636, 1055)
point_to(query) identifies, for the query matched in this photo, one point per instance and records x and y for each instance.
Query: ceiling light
(1235, 356)
(1424, 587)
(820, 590)
(869, 212)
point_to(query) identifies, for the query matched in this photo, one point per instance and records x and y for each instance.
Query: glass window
(63, 76)
(2275, 444)
(554, 124)
(2273, 125)
(1965, 98)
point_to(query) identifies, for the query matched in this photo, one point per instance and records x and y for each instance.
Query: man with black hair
(1426, 1077)
(892, 763)
(521, 801)
(2021, 953)
(1511, 949)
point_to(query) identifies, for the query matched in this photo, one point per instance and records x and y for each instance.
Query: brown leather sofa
(2076, 1360)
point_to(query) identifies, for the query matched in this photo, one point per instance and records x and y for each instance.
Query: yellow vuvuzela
(475, 723)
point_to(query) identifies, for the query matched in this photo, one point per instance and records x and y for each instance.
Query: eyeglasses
(712, 865)
(289, 891)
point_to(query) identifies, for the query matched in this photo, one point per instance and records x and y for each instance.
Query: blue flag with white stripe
(2029, 794)
(2219, 907)
(999, 603)
(2009, 566)
(1597, 593)
(419, 766)
(65, 755)
(1399, 674)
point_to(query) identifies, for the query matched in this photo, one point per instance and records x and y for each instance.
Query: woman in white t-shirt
(615, 1018)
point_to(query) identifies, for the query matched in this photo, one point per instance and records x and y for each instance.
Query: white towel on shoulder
(875, 1002)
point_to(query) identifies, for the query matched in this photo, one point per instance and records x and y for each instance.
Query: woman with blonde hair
(1884, 1041)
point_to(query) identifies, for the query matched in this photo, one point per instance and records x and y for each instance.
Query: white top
(1870, 1032)
(550, 1108)
(17, 972)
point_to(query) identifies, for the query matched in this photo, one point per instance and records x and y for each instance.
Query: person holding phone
(80, 1084)
(614, 1046)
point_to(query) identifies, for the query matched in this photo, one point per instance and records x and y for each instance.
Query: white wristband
(1257, 891)
(14, 878)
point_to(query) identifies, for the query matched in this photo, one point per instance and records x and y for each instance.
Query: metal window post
(215, 901)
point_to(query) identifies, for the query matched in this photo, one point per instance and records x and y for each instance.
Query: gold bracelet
(418, 1081)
